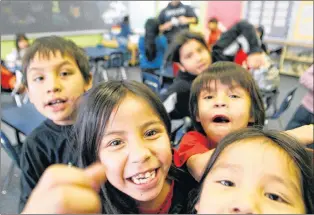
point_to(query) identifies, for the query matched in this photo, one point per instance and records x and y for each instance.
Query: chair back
(152, 81)
(9, 148)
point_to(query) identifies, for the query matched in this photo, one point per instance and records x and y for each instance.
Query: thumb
(96, 172)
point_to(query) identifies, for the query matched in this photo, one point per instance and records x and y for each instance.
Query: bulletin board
(275, 16)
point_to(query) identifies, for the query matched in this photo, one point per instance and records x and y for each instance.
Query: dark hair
(93, 116)
(213, 20)
(173, 53)
(227, 72)
(125, 20)
(151, 32)
(261, 30)
(18, 38)
(53, 44)
(292, 147)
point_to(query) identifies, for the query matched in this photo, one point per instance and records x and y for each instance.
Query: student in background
(152, 47)
(304, 114)
(56, 74)
(129, 164)
(14, 59)
(175, 17)
(214, 32)
(257, 172)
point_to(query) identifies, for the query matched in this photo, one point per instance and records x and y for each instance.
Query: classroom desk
(22, 119)
(97, 52)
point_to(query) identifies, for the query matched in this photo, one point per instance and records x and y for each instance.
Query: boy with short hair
(56, 74)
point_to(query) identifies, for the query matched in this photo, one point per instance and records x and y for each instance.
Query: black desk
(22, 119)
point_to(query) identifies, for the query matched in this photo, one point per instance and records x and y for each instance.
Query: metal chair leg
(280, 123)
(123, 73)
(8, 179)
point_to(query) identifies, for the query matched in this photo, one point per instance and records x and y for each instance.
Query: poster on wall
(273, 15)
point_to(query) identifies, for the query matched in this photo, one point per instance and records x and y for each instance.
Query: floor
(9, 201)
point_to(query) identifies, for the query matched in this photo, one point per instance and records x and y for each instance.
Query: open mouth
(221, 119)
(55, 102)
(144, 178)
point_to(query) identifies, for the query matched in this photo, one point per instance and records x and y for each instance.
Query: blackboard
(275, 16)
(59, 16)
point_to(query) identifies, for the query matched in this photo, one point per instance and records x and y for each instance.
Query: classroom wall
(82, 40)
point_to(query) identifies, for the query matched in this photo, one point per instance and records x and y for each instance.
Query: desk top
(100, 51)
(24, 119)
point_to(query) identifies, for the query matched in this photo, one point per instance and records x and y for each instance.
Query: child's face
(54, 85)
(212, 26)
(223, 109)
(194, 57)
(136, 152)
(23, 44)
(252, 176)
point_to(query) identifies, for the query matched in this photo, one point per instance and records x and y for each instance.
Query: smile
(144, 178)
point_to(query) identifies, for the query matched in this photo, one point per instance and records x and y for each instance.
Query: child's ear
(90, 83)
(181, 67)
(29, 95)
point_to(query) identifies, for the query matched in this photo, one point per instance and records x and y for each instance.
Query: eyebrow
(57, 66)
(227, 166)
(286, 182)
(144, 125)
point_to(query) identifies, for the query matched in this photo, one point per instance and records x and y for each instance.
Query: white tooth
(141, 175)
(153, 174)
(143, 181)
(135, 180)
(147, 175)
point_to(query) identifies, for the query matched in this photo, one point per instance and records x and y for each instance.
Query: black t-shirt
(175, 11)
(46, 145)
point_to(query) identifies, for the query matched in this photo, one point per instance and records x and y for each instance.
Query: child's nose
(53, 85)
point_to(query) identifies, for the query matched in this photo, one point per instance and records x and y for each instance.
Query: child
(214, 32)
(152, 47)
(272, 175)
(134, 173)
(14, 59)
(223, 99)
(56, 73)
(190, 52)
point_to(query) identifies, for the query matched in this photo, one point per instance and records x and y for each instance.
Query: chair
(116, 60)
(178, 133)
(283, 107)
(13, 152)
(152, 81)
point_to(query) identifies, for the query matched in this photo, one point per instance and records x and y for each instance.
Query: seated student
(152, 47)
(129, 165)
(224, 99)
(14, 59)
(213, 32)
(56, 73)
(190, 52)
(257, 172)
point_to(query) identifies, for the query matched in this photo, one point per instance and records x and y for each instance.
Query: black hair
(151, 32)
(213, 20)
(93, 115)
(53, 44)
(227, 72)
(182, 37)
(18, 38)
(302, 159)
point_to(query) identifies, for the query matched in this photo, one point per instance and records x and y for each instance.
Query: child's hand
(303, 134)
(70, 190)
(183, 20)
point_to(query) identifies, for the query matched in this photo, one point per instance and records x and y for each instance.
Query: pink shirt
(307, 81)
